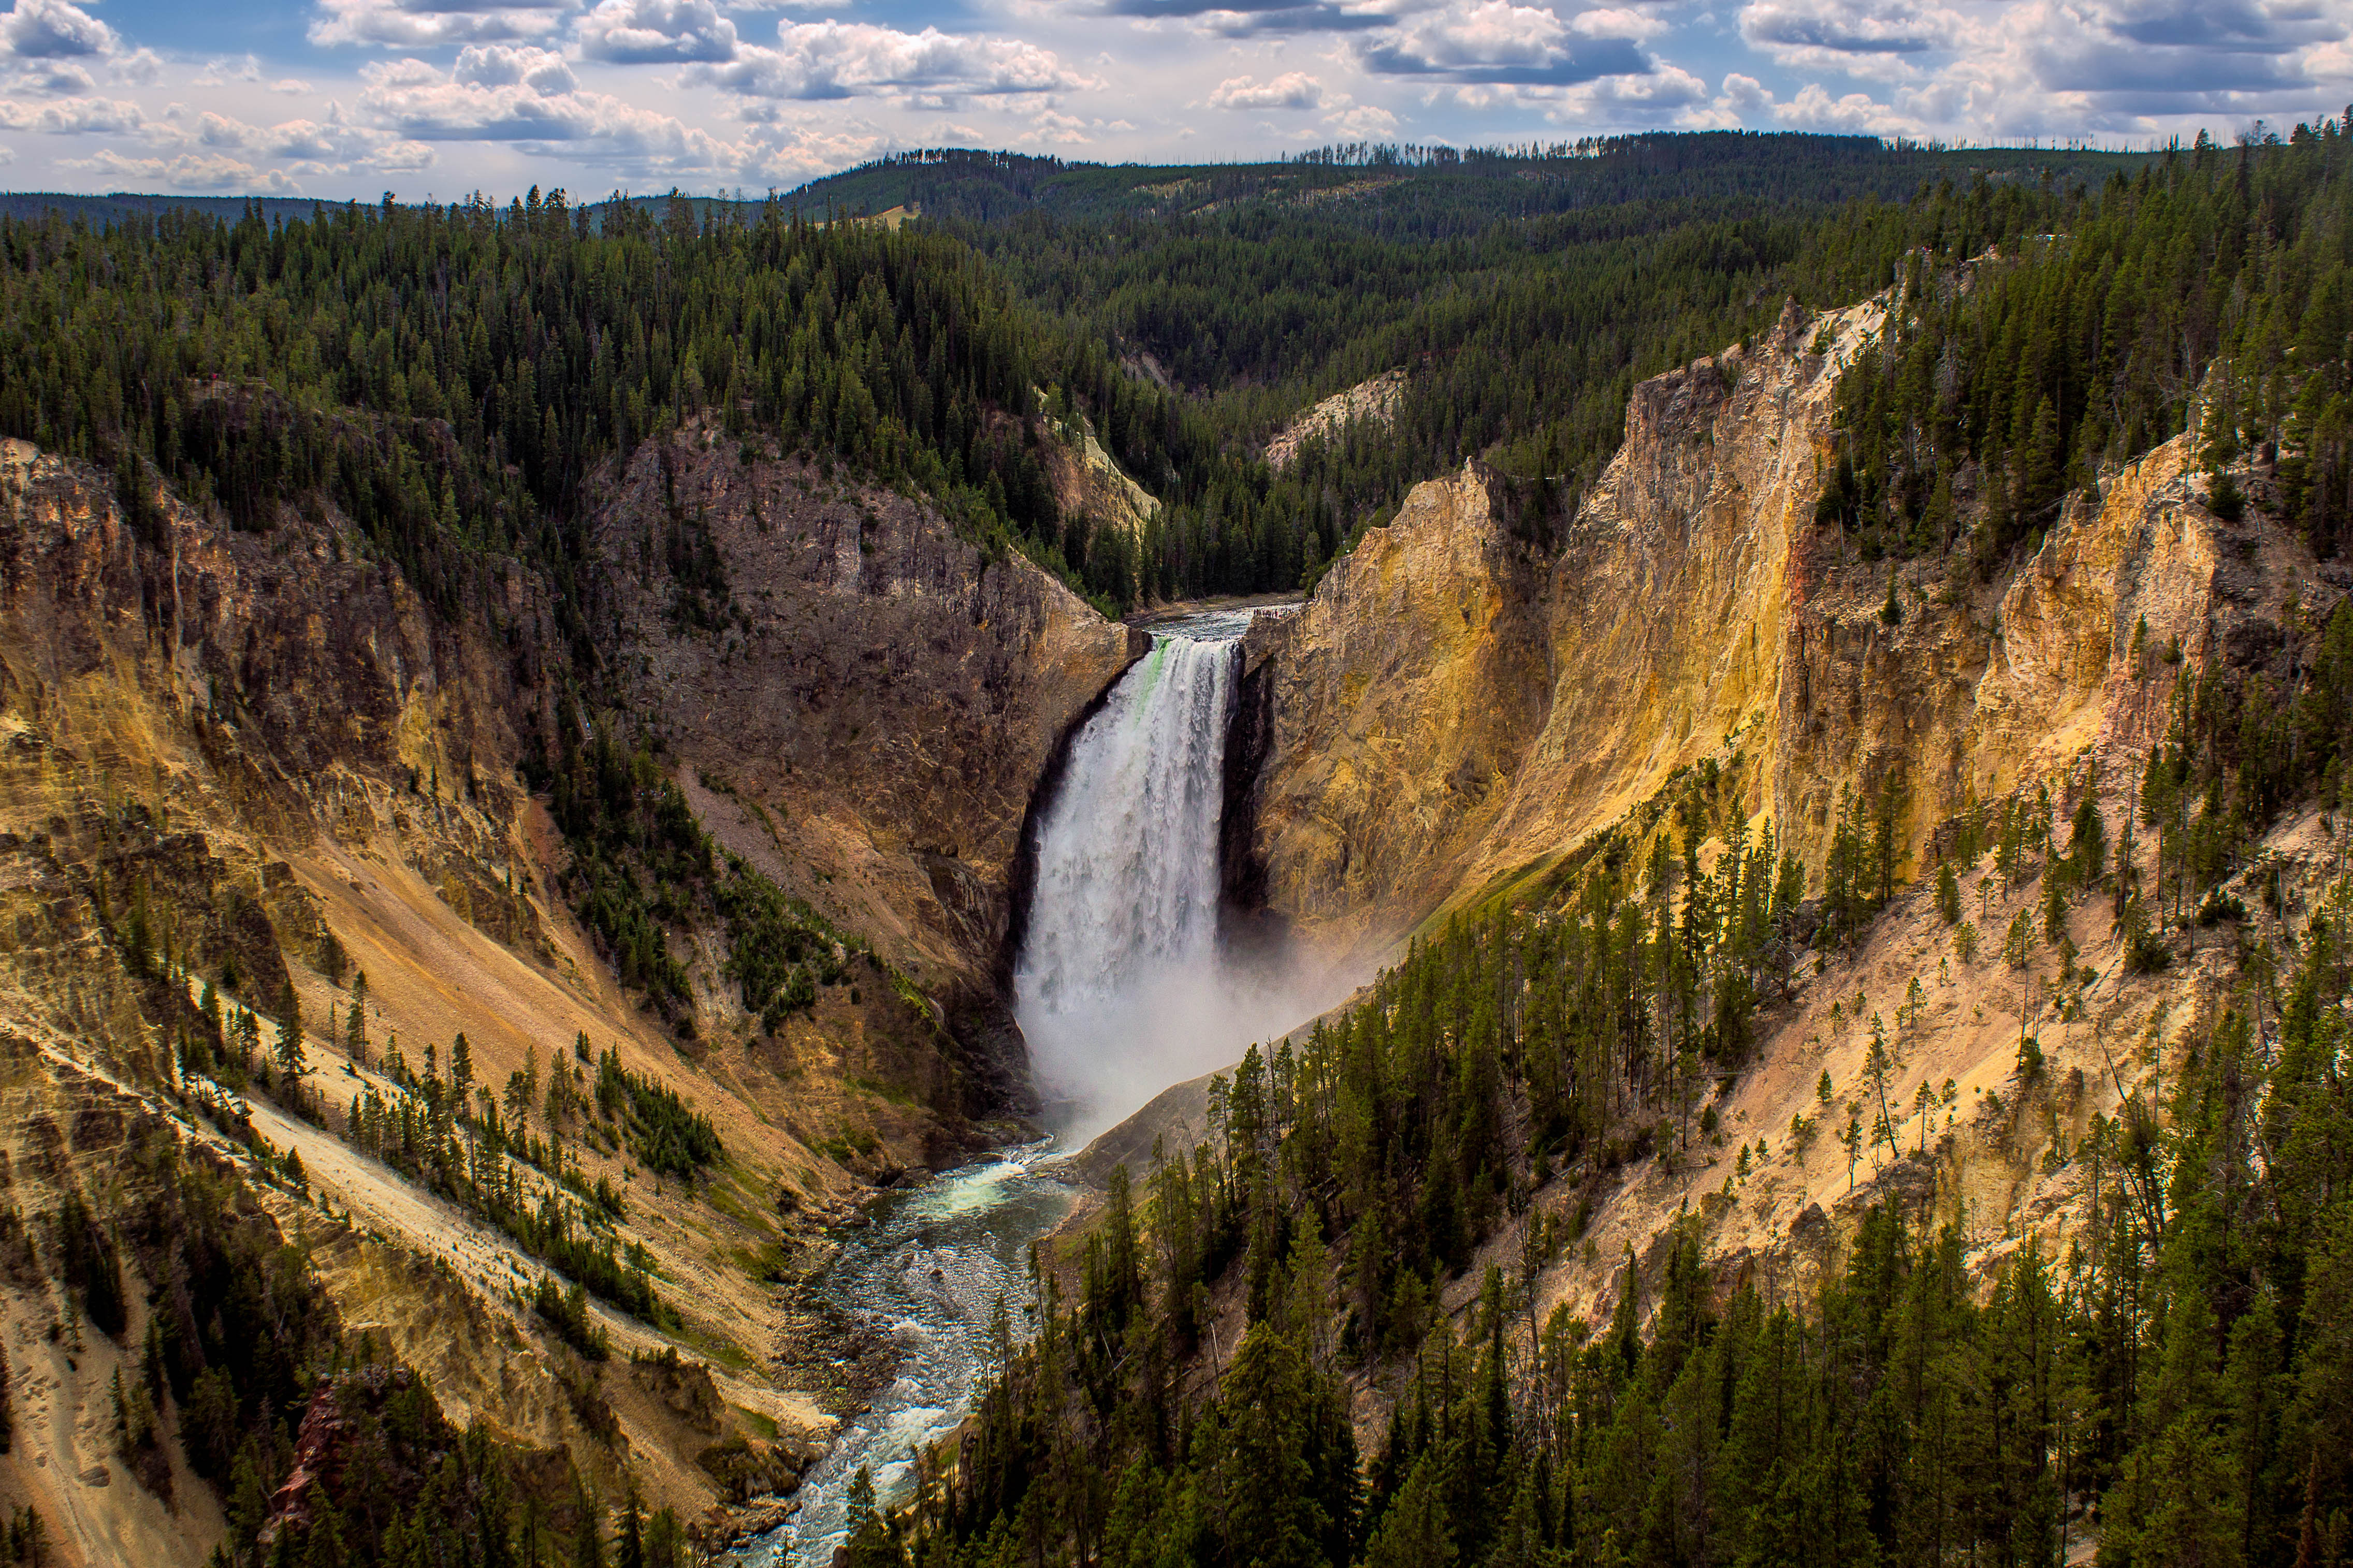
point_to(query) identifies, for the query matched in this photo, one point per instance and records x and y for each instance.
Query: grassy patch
(765, 1263)
(725, 1352)
(729, 1199)
(881, 1091)
(763, 1426)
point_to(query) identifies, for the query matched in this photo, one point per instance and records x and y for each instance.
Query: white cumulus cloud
(187, 172)
(73, 116)
(1498, 43)
(1292, 90)
(52, 29)
(504, 93)
(637, 32)
(426, 24)
(847, 59)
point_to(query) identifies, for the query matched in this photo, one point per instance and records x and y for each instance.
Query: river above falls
(924, 1277)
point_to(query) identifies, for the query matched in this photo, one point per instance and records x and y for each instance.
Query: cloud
(1619, 22)
(1365, 119)
(502, 64)
(503, 93)
(74, 117)
(59, 79)
(637, 32)
(1497, 43)
(52, 29)
(1053, 128)
(846, 59)
(139, 68)
(1744, 98)
(2046, 65)
(188, 171)
(1785, 28)
(1292, 90)
(1852, 115)
(426, 24)
(1243, 18)
(2193, 52)
(46, 46)
(1747, 101)
(306, 141)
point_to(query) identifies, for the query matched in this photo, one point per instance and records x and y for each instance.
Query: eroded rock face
(878, 702)
(204, 702)
(1451, 712)
(1388, 716)
(857, 701)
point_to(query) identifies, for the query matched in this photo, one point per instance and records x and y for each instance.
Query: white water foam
(1121, 988)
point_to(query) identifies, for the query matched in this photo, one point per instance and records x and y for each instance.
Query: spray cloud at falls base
(1124, 985)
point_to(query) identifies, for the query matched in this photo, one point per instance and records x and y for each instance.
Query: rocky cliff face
(869, 717)
(1389, 717)
(1455, 713)
(1451, 712)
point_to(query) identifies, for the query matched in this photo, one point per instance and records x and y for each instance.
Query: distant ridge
(118, 207)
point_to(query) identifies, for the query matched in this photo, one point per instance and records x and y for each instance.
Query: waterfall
(1118, 986)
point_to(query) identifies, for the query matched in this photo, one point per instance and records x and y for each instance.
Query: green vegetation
(640, 862)
(2180, 1370)
(780, 950)
(667, 1137)
(2207, 291)
(451, 378)
(423, 1129)
(568, 1313)
(455, 380)
(2173, 1381)
(240, 1344)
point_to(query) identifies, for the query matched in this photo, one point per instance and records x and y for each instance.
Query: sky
(439, 99)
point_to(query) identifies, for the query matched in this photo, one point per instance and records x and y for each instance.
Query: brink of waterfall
(1121, 986)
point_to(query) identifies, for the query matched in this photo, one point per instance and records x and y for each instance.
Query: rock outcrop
(1390, 714)
(1457, 713)
(1372, 402)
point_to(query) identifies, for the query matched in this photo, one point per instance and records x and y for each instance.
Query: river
(925, 1277)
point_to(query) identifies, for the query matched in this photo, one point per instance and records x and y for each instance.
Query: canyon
(262, 753)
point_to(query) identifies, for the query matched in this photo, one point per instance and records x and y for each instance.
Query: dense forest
(2207, 292)
(451, 378)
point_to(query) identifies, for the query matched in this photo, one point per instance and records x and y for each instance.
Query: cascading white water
(1127, 854)
(1118, 987)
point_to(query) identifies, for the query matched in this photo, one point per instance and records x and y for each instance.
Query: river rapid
(925, 1277)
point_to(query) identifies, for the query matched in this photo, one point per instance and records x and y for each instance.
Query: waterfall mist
(1123, 986)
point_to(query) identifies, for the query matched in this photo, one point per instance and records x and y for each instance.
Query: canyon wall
(1455, 711)
(871, 714)
(261, 761)
(1459, 710)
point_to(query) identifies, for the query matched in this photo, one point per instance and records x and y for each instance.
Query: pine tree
(293, 1061)
(870, 1543)
(355, 1021)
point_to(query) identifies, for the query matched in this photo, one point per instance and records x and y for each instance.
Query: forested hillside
(1522, 294)
(452, 375)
